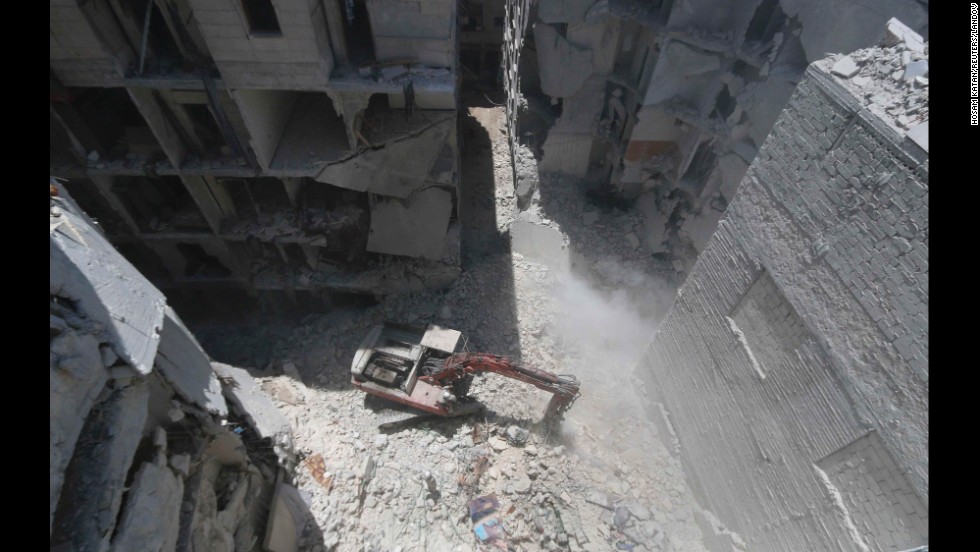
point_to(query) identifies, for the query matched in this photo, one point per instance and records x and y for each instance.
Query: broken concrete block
(247, 397)
(688, 61)
(151, 516)
(897, 33)
(523, 484)
(286, 520)
(845, 67)
(185, 366)
(94, 482)
(397, 169)
(76, 378)
(916, 69)
(415, 227)
(563, 67)
(87, 269)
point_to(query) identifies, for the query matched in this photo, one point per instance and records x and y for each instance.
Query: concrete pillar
(205, 200)
(103, 184)
(151, 106)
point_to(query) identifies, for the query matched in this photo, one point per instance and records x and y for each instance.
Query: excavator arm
(459, 368)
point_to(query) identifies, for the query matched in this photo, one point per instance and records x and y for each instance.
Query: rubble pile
(602, 479)
(892, 81)
(151, 447)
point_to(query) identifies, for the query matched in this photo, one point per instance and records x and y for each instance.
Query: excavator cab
(392, 358)
(430, 369)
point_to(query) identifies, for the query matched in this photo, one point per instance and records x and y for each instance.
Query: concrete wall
(78, 57)
(296, 59)
(423, 30)
(793, 364)
(266, 113)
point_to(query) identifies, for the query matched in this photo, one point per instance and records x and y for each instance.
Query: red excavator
(431, 370)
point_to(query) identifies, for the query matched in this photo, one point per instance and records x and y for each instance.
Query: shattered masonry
(149, 450)
(268, 155)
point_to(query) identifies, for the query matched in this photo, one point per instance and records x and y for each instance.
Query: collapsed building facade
(793, 367)
(666, 102)
(282, 151)
(152, 446)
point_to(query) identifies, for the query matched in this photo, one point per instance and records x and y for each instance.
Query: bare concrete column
(205, 200)
(169, 137)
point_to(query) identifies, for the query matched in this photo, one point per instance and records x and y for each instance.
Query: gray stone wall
(793, 365)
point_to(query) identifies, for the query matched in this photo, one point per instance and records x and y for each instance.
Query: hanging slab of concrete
(94, 482)
(286, 520)
(397, 169)
(254, 404)
(185, 366)
(76, 378)
(562, 67)
(151, 518)
(87, 269)
(415, 227)
(563, 11)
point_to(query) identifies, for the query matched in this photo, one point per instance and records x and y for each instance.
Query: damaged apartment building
(270, 152)
(665, 103)
(152, 446)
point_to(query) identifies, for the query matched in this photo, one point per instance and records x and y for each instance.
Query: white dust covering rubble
(892, 83)
(602, 480)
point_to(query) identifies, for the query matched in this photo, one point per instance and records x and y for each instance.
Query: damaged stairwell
(152, 446)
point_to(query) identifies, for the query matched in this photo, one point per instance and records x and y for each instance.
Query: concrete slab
(185, 365)
(286, 520)
(688, 61)
(87, 269)
(897, 33)
(916, 69)
(414, 227)
(76, 378)
(845, 67)
(397, 169)
(243, 393)
(151, 518)
(95, 480)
